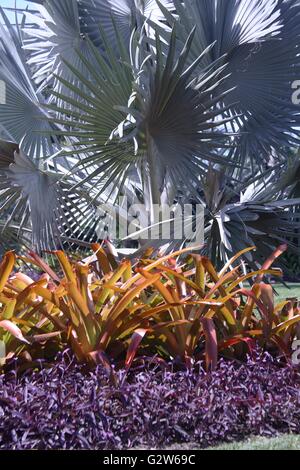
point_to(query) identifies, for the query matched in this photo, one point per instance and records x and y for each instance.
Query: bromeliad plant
(215, 311)
(167, 306)
(92, 306)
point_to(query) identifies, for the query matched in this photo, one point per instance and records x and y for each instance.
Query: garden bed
(69, 407)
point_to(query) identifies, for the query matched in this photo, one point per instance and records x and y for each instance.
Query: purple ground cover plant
(69, 407)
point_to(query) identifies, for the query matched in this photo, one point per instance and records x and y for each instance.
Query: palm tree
(161, 101)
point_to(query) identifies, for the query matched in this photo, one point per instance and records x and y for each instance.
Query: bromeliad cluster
(177, 307)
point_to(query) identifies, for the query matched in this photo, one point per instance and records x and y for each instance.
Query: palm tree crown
(159, 100)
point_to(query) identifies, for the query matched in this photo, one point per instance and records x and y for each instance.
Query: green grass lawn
(293, 290)
(286, 442)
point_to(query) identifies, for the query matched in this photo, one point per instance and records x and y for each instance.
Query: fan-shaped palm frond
(94, 115)
(23, 115)
(263, 91)
(126, 13)
(37, 201)
(260, 214)
(30, 198)
(51, 36)
(260, 40)
(227, 23)
(170, 115)
(60, 29)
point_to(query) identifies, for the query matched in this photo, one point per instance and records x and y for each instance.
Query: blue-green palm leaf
(127, 14)
(23, 115)
(52, 35)
(263, 212)
(170, 115)
(260, 40)
(60, 28)
(37, 203)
